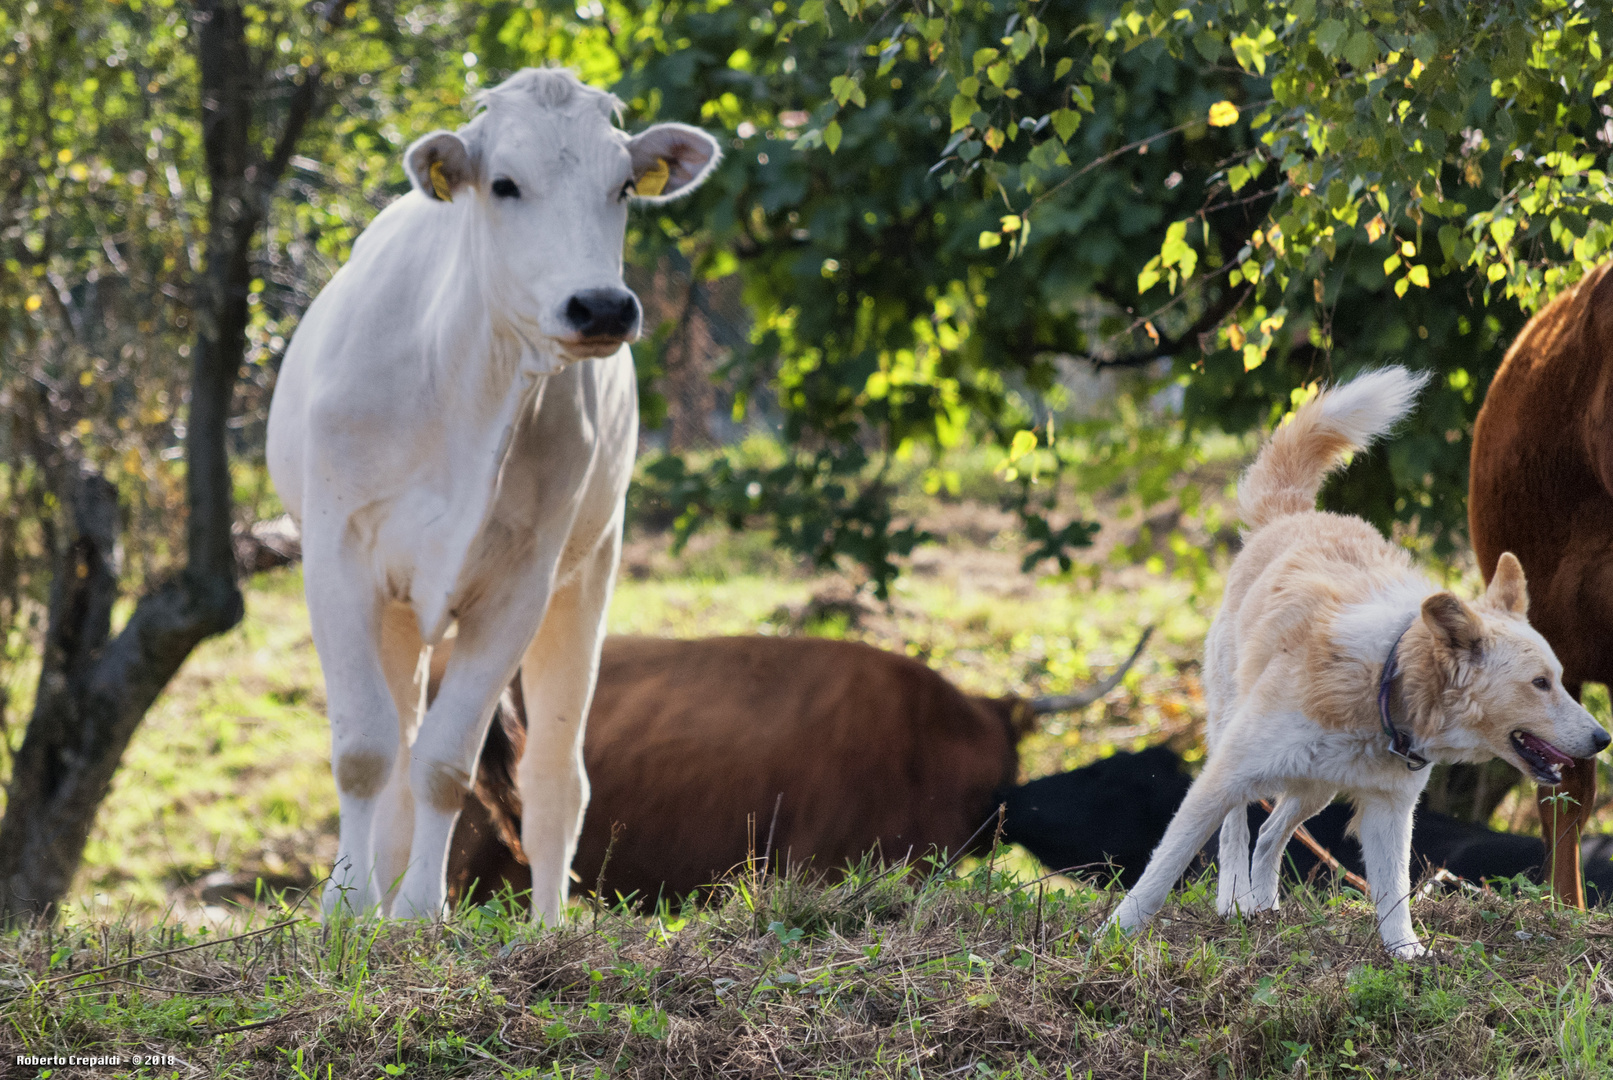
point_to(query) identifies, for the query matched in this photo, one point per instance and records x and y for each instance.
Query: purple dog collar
(1399, 741)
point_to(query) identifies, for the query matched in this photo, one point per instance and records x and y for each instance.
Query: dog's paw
(1129, 916)
(1261, 901)
(1409, 950)
(1232, 897)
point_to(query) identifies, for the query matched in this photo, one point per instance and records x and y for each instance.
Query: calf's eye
(505, 188)
(627, 190)
(1542, 683)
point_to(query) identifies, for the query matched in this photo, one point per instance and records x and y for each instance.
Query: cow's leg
(557, 681)
(442, 763)
(1386, 850)
(1293, 809)
(1564, 811)
(346, 617)
(394, 819)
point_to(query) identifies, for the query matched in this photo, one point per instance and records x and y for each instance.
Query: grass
(883, 975)
(225, 812)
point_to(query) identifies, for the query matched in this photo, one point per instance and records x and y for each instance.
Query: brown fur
(361, 774)
(1541, 486)
(691, 745)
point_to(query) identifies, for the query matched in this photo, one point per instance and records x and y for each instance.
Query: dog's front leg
(1232, 862)
(1386, 850)
(1213, 795)
(1293, 809)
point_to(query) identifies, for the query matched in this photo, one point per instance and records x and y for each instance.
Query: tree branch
(1229, 302)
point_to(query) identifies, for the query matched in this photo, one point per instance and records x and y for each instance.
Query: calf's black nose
(603, 313)
(1602, 739)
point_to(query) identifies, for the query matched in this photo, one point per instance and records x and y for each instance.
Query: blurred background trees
(932, 216)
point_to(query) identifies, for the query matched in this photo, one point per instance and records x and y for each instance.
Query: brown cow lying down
(1541, 486)
(701, 752)
(1103, 821)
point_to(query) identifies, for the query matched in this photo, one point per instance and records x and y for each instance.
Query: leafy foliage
(1441, 153)
(925, 206)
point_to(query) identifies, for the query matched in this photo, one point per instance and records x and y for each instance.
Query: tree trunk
(94, 689)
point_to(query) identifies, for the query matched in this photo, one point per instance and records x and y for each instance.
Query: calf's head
(1503, 685)
(540, 181)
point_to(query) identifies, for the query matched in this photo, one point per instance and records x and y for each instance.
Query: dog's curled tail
(1288, 474)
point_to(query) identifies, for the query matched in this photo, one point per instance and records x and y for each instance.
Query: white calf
(454, 428)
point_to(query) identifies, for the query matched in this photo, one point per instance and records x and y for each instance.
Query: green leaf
(1065, 123)
(1237, 176)
(813, 12)
(831, 136)
(989, 239)
(1149, 277)
(1448, 235)
(962, 109)
(1062, 68)
(1361, 50)
(999, 73)
(1330, 37)
(983, 57)
(1209, 46)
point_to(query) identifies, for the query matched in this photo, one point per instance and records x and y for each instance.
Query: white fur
(1313, 605)
(457, 457)
(1370, 405)
(1287, 756)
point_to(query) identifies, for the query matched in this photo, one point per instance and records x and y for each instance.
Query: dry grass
(878, 976)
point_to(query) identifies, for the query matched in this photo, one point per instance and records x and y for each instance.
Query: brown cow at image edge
(1541, 486)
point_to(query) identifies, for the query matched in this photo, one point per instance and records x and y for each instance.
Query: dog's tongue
(1539, 746)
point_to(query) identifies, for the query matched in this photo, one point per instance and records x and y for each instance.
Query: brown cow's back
(853, 745)
(1542, 468)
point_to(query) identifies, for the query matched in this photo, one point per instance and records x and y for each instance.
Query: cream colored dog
(1334, 666)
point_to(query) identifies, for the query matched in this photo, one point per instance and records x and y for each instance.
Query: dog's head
(1501, 686)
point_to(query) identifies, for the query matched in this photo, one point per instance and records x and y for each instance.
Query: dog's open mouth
(1545, 761)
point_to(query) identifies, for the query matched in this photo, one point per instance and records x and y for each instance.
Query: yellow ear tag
(653, 182)
(439, 182)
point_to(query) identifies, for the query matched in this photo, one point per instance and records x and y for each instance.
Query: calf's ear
(439, 164)
(1508, 591)
(670, 160)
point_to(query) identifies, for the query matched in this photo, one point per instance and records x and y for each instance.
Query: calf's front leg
(557, 682)
(366, 743)
(442, 764)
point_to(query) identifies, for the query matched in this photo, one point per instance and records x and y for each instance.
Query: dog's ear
(1456, 627)
(1508, 592)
